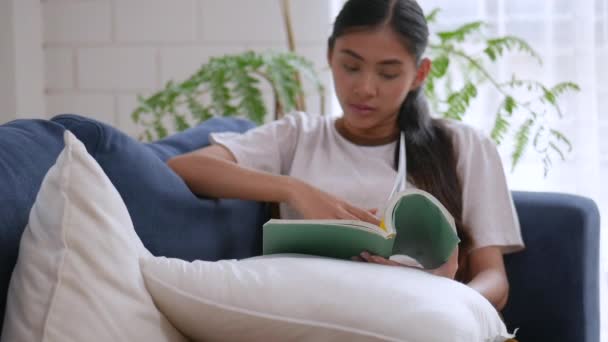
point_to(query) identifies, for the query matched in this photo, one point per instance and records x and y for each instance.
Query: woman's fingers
(363, 215)
(346, 215)
(366, 256)
(376, 259)
(384, 261)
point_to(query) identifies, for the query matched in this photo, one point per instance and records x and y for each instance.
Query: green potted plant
(528, 118)
(231, 85)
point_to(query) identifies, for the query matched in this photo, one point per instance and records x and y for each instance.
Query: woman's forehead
(374, 46)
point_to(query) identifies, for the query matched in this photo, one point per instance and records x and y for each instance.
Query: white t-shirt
(308, 147)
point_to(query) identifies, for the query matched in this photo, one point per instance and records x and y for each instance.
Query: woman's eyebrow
(359, 57)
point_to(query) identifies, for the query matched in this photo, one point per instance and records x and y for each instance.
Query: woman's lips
(361, 109)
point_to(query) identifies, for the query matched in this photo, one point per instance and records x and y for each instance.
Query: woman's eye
(350, 68)
(389, 76)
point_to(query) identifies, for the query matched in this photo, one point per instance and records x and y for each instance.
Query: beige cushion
(77, 276)
(297, 298)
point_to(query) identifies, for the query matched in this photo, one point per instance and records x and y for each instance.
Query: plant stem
(301, 104)
(322, 105)
(278, 110)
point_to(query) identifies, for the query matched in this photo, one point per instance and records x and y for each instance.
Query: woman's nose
(366, 86)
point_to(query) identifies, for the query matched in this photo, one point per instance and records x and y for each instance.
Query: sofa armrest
(554, 282)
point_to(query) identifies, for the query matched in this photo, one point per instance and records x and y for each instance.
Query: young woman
(345, 168)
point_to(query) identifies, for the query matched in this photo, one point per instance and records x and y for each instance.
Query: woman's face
(373, 73)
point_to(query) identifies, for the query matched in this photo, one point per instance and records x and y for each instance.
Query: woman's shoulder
(464, 134)
(474, 149)
(305, 120)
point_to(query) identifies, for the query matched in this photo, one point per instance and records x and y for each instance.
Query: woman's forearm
(215, 177)
(492, 285)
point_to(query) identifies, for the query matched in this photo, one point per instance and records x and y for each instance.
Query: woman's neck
(368, 137)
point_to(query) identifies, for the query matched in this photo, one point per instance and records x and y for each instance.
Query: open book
(415, 225)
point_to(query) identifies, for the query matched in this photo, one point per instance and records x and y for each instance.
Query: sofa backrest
(554, 282)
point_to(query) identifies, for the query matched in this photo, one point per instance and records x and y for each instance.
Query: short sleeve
(268, 147)
(488, 209)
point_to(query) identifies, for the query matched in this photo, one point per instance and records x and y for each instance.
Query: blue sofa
(554, 282)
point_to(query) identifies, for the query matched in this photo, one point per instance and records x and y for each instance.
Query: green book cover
(416, 225)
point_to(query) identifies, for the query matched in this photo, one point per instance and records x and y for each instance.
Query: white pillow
(289, 297)
(77, 276)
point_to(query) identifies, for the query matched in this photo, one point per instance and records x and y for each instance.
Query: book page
(354, 224)
(390, 208)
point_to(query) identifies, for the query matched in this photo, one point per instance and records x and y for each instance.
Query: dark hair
(431, 159)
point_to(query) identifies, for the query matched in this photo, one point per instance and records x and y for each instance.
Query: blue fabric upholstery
(168, 218)
(196, 137)
(28, 148)
(554, 282)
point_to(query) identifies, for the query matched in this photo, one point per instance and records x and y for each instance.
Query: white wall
(8, 103)
(21, 69)
(99, 54)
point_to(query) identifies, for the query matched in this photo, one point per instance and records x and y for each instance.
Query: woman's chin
(360, 122)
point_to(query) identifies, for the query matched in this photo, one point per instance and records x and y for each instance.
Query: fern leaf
(461, 33)
(564, 87)
(498, 46)
(558, 150)
(220, 93)
(136, 114)
(430, 86)
(148, 135)
(522, 139)
(198, 111)
(281, 75)
(440, 66)
(459, 102)
(432, 16)
(251, 99)
(510, 105)
(501, 126)
(180, 122)
(306, 68)
(549, 96)
(160, 130)
(561, 138)
(491, 53)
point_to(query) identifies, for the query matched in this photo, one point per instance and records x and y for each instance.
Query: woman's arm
(488, 275)
(213, 171)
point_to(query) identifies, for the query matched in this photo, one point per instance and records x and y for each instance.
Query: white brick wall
(21, 60)
(178, 63)
(241, 21)
(124, 108)
(118, 69)
(100, 54)
(77, 21)
(97, 106)
(155, 20)
(59, 68)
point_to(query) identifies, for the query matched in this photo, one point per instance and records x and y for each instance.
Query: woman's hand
(312, 203)
(447, 270)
